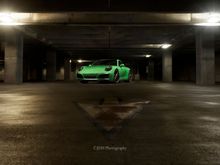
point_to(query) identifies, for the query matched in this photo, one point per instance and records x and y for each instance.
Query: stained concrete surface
(41, 124)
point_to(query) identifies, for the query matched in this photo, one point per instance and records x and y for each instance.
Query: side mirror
(122, 65)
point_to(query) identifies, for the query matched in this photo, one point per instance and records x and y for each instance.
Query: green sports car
(104, 70)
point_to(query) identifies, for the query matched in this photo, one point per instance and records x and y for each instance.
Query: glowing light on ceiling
(214, 18)
(156, 46)
(210, 19)
(165, 46)
(6, 18)
(148, 56)
(79, 61)
(13, 19)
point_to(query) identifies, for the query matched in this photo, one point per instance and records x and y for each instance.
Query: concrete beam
(205, 56)
(13, 57)
(109, 18)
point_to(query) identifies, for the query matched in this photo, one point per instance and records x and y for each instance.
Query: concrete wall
(217, 67)
(34, 63)
(150, 69)
(184, 66)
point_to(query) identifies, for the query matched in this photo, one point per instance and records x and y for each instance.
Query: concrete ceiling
(110, 5)
(107, 39)
(125, 27)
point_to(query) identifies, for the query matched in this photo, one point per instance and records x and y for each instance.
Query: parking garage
(168, 113)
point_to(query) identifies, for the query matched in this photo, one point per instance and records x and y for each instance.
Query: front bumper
(93, 77)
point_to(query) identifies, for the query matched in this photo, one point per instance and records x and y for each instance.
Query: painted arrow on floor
(110, 113)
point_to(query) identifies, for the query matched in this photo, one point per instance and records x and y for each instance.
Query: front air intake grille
(104, 76)
(90, 76)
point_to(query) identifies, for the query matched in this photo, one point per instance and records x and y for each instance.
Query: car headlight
(81, 68)
(108, 68)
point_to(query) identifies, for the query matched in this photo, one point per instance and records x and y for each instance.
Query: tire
(129, 77)
(116, 77)
(84, 81)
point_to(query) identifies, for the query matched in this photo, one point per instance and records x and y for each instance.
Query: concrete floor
(41, 123)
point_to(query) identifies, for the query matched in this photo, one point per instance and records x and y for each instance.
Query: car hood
(93, 69)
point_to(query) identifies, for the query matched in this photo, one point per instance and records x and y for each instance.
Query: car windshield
(105, 62)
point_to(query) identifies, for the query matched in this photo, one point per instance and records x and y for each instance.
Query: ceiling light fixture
(79, 61)
(12, 19)
(208, 24)
(214, 18)
(7, 19)
(165, 46)
(210, 19)
(148, 56)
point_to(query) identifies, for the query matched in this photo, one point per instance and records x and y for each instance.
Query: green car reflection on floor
(105, 70)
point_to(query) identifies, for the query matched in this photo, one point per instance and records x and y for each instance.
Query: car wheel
(129, 77)
(84, 81)
(116, 77)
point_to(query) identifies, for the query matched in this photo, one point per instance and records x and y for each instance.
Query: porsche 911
(105, 70)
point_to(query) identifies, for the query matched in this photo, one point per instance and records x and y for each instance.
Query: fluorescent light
(207, 24)
(166, 46)
(210, 19)
(12, 19)
(148, 56)
(214, 18)
(79, 61)
(7, 19)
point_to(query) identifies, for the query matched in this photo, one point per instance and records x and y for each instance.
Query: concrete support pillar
(205, 56)
(51, 65)
(167, 63)
(151, 70)
(13, 57)
(137, 74)
(67, 69)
